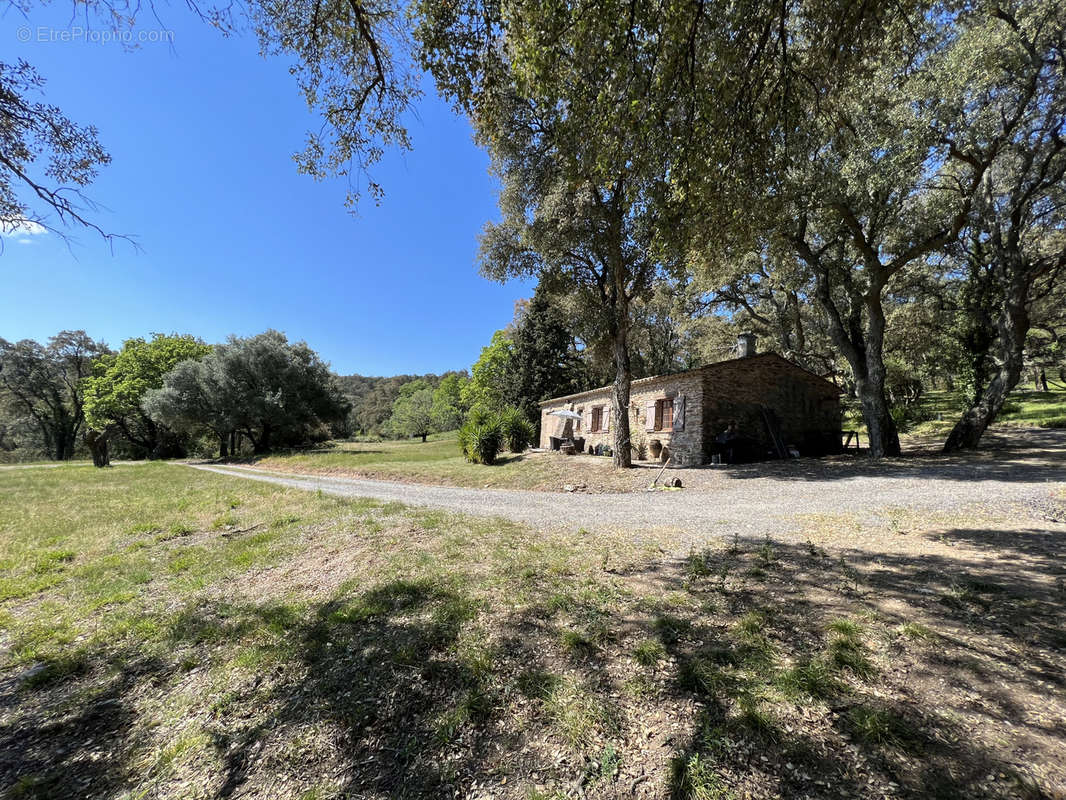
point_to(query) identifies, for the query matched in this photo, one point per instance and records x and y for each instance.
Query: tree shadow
(1021, 455)
(810, 674)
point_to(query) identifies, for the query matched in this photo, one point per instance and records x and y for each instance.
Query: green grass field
(938, 410)
(172, 633)
(439, 461)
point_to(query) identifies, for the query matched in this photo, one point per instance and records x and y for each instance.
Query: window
(577, 422)
(664, 414)
(597, 420)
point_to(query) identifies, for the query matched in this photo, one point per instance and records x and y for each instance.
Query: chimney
(746, 345)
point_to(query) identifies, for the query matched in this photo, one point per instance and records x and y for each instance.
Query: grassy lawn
(171, 633)
(438, 461)
(940, 409)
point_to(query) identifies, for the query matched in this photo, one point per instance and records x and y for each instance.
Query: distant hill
(372, 397)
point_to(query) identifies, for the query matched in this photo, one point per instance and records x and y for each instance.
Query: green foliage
(41, 386)
(448, 407)
(113, 393)
(481, 436)
(273, 392)
(412, 412)
(518, 432)
(489, 374)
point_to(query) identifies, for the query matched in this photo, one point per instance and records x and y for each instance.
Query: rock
(568, 488)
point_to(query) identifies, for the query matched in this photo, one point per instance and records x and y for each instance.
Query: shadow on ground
(770, 669)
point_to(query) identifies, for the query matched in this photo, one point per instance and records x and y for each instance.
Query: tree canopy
(119, 382)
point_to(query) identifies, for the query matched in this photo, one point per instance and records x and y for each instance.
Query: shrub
(481, 438)
(517, 430)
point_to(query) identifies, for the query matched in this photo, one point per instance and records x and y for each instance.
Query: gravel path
(751, 507)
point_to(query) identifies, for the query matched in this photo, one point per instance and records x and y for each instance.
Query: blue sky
(232, 239)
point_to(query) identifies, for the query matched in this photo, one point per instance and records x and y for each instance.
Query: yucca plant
(517, 430)
(481, 437)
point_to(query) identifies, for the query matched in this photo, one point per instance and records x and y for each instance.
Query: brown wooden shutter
(649, 418)
(679, 413)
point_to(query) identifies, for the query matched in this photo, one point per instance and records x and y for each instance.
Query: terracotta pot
(655, 447)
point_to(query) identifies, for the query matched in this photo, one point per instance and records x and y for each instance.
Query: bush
(481, 436)
(481, 443)
(517, 431)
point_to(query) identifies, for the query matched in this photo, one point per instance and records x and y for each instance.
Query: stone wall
(806, 406)
(685, 445)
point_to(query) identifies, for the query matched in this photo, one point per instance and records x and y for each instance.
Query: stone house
(777, 406)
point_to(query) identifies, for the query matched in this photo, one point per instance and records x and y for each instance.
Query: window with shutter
(667, 414)
(597, 419)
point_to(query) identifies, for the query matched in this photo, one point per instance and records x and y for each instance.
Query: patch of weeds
(284, 521)
(578, 713)
(695, 778)
(227, 520)
(175, 531)
(639, 687)
(538, 684)
(608, 764)
(576, 643)
(705, 675)
(181, 746)
(808, 679)
(182, 562)
(751, 624)
(755, 718)
(765, 553)
(54, 670)
(754, 646)
(846, 649)
(52, 561)
(845, 628)
(560, 601)
(141, 528)
(671, 629)
(31, 787)
(537, 794)
(699, 565)
(473, 706)
(960, 597)
(649, 652)
(880, 726)
(916, 632)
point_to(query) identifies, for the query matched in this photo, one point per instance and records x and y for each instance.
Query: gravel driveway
(752, 507)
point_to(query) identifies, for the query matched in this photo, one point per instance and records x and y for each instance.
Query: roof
(705, 368)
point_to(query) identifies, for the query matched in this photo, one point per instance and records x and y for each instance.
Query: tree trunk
(223, 445)
(623, 377)
(1012, 326)
(880, 427)
(423, 438)
(261, 446)
(234, 447)
(862, 347)
(97, 443)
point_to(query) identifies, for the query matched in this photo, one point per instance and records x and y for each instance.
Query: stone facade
(758, 393)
